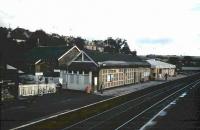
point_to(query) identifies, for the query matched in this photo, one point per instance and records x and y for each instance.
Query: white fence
(36, 89)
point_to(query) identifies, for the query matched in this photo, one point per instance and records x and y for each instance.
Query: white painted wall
(78, 81)
(36, 89)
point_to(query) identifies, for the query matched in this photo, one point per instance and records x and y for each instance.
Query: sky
(165, 27)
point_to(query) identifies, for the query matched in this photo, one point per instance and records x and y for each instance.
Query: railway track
(135, 113)
(136, 122)
(130, 111)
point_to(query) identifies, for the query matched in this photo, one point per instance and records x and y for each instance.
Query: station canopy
(159, 64)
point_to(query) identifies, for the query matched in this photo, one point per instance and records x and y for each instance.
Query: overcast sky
(150, 26)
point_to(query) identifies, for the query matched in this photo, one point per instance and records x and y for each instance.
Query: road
(136, 112)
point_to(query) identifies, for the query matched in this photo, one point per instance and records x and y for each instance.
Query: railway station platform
(117, 91)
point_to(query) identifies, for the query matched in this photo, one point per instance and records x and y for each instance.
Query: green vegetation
(20, 41)
(81, 114)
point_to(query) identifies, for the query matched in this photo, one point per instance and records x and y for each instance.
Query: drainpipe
(90, 77)
(67, 77)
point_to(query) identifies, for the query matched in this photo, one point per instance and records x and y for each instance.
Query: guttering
(37, 61)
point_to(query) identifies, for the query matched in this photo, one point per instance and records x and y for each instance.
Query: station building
(159, 69)
(77, 69)
(106, 70)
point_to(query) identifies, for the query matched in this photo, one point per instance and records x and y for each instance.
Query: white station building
(159, 69)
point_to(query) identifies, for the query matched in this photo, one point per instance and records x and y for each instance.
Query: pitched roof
(45, 53)
(113, 59)
(159, 64)
(20, 33)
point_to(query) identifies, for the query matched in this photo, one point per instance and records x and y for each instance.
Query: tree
(187, 60)
(108, 49)
(20, 33)
(111, 45)
(116, 46)
(38, 38)
(9, 49)
(3, 33)
(125, 49)
(173, 60)
(56, 40)
(79, 42)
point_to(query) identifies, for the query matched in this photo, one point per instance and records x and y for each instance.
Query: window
(110, 77)
(115, 76)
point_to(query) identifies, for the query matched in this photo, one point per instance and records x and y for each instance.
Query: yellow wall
(122, 76)
(162, 71)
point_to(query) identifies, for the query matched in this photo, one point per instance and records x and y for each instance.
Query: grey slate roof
(116, 59)
(45, 53)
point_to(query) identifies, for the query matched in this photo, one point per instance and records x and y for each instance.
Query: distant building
(96, 46)
(9, 81)
(19, 35)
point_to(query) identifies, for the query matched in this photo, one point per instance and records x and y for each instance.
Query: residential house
(95, 45)
(19, 35)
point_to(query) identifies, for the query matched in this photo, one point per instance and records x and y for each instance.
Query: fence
(36, 89)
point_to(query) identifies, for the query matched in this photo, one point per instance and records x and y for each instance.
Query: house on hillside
(19, 35)
(159, 69)
(96, 46)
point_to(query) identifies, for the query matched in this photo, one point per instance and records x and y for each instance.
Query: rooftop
(114, 59)
(45, 53)
(159, 64)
